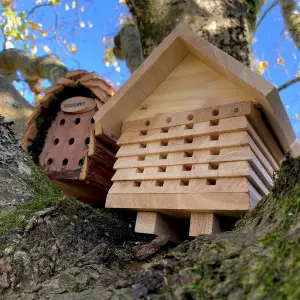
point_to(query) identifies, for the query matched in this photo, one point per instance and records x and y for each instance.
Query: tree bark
(226, 24)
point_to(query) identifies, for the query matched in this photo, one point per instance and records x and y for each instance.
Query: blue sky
(270, 44)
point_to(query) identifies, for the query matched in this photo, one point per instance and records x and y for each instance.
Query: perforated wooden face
(67, 142)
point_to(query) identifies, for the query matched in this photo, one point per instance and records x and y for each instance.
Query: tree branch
(265, 13)
(289, 83)
(32, 69)
(36, 7)
(291, 18)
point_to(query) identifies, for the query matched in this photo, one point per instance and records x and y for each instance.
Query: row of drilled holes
(65, 162)
(183, 182)
(76, 121)
(71, 141)
(188, 140)
(213, 152)
(190, 117)
(185, 168)
(186, 127)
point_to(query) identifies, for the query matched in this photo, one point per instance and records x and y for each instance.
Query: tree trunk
(226, 24)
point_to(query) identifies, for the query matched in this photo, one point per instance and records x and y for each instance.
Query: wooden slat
(255, 196)
(105, 136)
(224, 140)
(155, 223)
(193, 129)
(182, 118)
(223, 203)
(188, 186)
(186, 157)
(54, 89)
(75, 75)
(203, 223)
(65, 81)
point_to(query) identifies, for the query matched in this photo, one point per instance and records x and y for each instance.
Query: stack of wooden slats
(77, 154)
(199, 164)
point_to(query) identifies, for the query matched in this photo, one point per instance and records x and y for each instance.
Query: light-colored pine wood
(89, 76)
(78, 105)
(223, 203)
(102, 95)
(255, 196)
(155, 223)
(105, 136)
(203, 223)
(65, 81)
(185, 186)
(185, 116)
(193, 129)
(54, 89)
(74, 75)
(185, 157)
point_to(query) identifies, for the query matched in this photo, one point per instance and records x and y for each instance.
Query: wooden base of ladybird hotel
(195, 165)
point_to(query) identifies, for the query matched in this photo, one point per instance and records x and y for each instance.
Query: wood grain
(203, 223)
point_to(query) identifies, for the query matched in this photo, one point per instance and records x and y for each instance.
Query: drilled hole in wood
(213, 166)
(137, 183)
(139, 170)
(211, 181)
(159, 182)
(186, 167)
(188, 126)
(215, 112)
(215, 152)
(164, 143)
(49, 161)
(163, 156)
(81, 162)
(141, 158)
(65, 162)
(77, 121)
(190, 117)
(142, 145)
(56, 141)
(87, 141)
(71, 141)
(168, 120)
(236, 110)
(162, 169)
(214, 123)
(92, 121)
(214, 137)
(164, 130)
(147, 123)
(184, 182)
(143, 132)
(62, 122)
(188, 140)
(188, 154)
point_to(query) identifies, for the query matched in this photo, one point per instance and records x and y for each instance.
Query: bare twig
(265, 13)
(4, 38)
(289, 83)
(36, 7)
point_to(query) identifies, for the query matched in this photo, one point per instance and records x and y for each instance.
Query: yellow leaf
(67, 7)
(74, 4)
(280, 61)
(44, 33)
(81, 24)
(46, 49)
(82, 8)
(298, 74)
(262, 64)
(33, 50)
(296, 117)
(73, 48)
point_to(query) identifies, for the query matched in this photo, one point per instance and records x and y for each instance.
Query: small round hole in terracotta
(49, 161)
(190, 117)
(168, 120)
(65, 162)
(147, 123)
(236, 110)
(56, 141)
(215, 112)
(81, 162)
(71, 141)
(92, 121)
(87, 141)
(77, 121)
(62, 122)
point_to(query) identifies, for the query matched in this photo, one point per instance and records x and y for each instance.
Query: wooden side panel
(155, 223)
(203, 223)
(191, 85)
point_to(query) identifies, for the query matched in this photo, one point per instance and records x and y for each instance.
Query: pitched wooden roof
(167, 56)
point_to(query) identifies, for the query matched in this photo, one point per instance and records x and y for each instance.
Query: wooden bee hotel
(200, 136)
(64, 140)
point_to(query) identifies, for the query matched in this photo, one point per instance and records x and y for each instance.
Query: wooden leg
(203, 223)
(155, 223)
